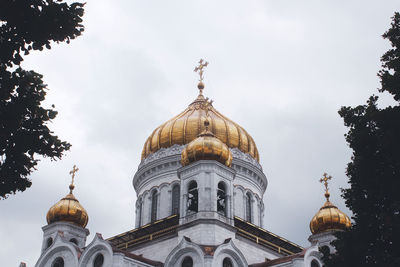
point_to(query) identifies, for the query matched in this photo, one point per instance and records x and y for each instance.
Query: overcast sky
(280, 69)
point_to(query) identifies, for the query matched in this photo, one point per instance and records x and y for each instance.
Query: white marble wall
(164, 202)
(161, 171)
(257, 206)
(157, 250)
(253, 252)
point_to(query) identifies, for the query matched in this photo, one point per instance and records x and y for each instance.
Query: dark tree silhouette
(374, 172)
(27, 25)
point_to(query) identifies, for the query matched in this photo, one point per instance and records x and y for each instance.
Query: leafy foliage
(27, 25)
(374, 173)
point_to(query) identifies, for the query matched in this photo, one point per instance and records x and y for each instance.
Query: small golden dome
(68, 209)
(206, 147)
(186, 126)
(329, 217)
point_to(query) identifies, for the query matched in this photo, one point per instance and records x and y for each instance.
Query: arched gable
(98, 245)
(228, 249)
(183, 249)
(311, 254)
(68, 251)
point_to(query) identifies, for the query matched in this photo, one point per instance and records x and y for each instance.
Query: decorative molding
(251, 174)
(177, 150)
(163, 167)
(246, 190)
(206, 166)
(158, 188)
(236, 153)
(162, 153)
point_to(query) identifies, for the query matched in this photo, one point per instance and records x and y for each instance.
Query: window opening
(140, 212)
(221, 198)
(175, 199)
(58, 262)
(314, 263)
(193, 197)
(187, 262)
(154, 206)
(49, 242)
(227, 263)
(248, 207)
(99, 260)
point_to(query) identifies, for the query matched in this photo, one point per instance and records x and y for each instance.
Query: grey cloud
(281, 69)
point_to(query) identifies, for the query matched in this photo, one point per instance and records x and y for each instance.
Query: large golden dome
(206, 147)
(329, 217)
(186, 126)
(68, 209)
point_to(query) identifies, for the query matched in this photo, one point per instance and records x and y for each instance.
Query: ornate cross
(325, 180)
(72, 172)
(200, 67)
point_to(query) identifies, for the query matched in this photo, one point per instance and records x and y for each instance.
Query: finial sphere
(200, 85)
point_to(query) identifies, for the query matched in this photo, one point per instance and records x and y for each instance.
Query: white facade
(223, 227)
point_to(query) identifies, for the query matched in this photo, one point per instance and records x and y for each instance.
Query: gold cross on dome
(200, 67)
(72, 172)
(325, 180)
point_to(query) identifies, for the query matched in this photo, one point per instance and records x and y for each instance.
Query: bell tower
(66, 219)
(327, 220)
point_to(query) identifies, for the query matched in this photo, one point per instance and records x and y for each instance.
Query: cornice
(167, 160)
(204, 166)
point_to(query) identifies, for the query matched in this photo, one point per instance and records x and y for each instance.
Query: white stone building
(199, 203)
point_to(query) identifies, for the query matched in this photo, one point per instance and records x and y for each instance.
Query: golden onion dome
(206, 147)
(68, 209)
(329, 217)
(186, 126)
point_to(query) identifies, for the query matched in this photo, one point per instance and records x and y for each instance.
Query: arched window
(325, 250)
(221, 198)
(314, 263)
(154, 206)
(98, 261)
(248, 207)
(193, 197)
(176, 192)
(227, 263)
(187, 262)
(49, 242)
(58, 262)
(140, 207)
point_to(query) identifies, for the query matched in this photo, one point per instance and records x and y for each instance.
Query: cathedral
(200, 191)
